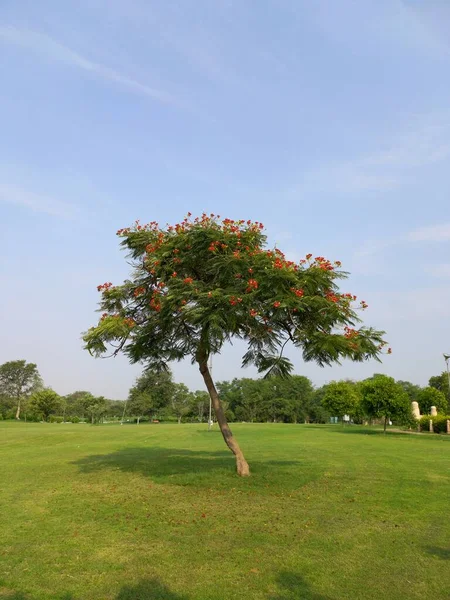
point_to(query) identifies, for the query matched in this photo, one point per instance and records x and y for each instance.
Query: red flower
(253, 313)
(277, 304)
(139, 291)
(188, 280)
(174, 274)
(298, 293)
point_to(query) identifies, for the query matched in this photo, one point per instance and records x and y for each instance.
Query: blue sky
(328, 121)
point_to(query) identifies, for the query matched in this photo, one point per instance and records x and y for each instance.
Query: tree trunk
(179, 420)
(241, 464)
(385, 423)
(18, 410)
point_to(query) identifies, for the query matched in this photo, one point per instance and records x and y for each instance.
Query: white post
(431, 426)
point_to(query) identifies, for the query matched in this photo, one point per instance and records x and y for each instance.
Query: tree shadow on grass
(443, 553)
(190, 467)
(157, 462)
(294, 587)
(151, 589)
(361, 430)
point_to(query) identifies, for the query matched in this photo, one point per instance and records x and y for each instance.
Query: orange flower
(298, 293)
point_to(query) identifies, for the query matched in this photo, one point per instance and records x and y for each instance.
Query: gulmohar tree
(204, 282)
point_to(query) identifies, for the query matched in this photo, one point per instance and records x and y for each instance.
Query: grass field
(155, 512)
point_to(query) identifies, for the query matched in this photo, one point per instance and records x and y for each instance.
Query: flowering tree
(206, 281)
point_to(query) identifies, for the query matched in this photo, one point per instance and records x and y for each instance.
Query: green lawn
(155, 512)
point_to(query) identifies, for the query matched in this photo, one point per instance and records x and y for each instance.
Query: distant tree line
(155, 396)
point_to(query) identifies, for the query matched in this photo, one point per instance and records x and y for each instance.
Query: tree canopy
(430, 396)
(18, 380)
(45, 403)
(341, 398)
(440, 382)
(206, 281)
(152, 392)
(383, 397)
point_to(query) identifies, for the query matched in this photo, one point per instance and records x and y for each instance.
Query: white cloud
(19, 196)
(53, 50)
(442, 270)
(379, 26)
(424, 142)
(417, 305)
(434, 233)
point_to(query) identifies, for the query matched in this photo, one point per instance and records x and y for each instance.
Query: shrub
(34, 418)
(409, 422)
(142, 419)
(53, 419)
(424, 422)
(75, 419)
(439, 423)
